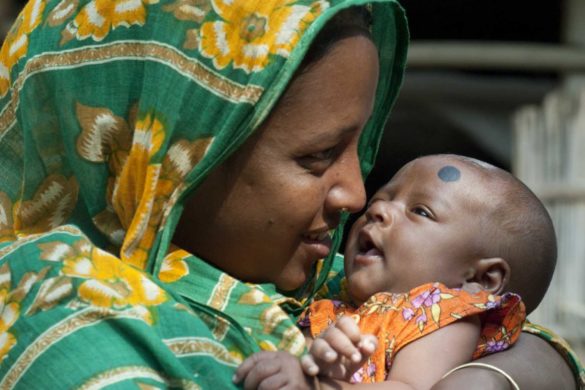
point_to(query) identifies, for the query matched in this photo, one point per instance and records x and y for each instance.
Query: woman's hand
(339, 351)
(473, 378)
(272, 370)
(531, 362)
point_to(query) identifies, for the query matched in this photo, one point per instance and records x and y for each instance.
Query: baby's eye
(422, 212)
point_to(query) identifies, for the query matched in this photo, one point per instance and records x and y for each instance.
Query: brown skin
(289, 182)
(254, 216)
(419, 228)
(532, 362)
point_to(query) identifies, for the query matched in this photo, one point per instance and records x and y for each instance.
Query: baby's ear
(490, 275)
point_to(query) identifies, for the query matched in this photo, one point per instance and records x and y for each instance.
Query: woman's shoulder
(561, 346)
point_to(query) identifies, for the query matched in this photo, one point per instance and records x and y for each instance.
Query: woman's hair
(349, 22)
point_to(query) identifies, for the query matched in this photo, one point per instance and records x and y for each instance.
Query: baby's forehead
(466, 180)
(442, 168)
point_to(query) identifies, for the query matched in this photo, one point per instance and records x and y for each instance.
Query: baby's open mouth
(367, 249)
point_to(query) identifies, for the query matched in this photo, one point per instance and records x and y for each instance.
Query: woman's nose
(348, 192)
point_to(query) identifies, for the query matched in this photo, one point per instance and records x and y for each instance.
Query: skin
(421, 227)
(292, 182)
(533, 363)
(288, 184)
(427, 211)
(261, 215)
(545, 370)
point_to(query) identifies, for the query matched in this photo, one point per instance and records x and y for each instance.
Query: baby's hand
(339, 351)
(272, 370)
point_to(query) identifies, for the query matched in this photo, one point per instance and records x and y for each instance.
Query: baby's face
(423, 226)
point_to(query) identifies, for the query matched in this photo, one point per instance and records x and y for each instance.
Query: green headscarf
(111, 113)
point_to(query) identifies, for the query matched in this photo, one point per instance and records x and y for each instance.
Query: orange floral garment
(399, 319)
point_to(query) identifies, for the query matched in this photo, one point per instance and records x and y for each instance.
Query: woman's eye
(318, 161)
(323, 155)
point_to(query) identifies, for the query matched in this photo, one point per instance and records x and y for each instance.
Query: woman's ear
(491, 275)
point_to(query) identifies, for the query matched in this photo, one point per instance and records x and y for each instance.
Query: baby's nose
(379, 211)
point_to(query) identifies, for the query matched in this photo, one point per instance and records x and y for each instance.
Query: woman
(118, 119)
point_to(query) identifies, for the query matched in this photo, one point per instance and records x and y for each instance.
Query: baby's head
(454, 220)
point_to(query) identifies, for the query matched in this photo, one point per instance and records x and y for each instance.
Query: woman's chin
(290, 281)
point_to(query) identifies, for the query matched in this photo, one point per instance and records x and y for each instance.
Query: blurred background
(502, 81)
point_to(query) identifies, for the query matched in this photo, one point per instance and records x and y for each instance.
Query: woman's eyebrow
(324, 136)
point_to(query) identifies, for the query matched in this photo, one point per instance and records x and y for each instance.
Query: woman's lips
(318, 244)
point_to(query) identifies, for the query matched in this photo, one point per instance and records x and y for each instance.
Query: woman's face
(265, 214)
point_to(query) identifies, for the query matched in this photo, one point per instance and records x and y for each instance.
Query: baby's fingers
(321, 350)
(367, 345)
(248, 365)
(349, 328)
(265, 373)
(309, 365)
(334, 340)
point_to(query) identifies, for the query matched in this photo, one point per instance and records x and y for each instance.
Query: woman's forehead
(333, 97)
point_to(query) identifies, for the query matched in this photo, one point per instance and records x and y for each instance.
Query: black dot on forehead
(449, 173)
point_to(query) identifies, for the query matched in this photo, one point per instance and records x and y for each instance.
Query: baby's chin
(358, 290)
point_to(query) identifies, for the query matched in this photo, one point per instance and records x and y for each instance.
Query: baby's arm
(423, 362)
(419, 365)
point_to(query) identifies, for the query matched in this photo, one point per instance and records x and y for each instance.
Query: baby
(426, 266)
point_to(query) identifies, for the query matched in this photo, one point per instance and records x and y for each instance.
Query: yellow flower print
(6, 222)
(292, 341)
(174, 267)
(110, 282)
(162, 185)
(99, 17)
(141, 188)
(16, 44)
(272, 317)
(251, 31)
(10, 303)
(63, 11)
(267, 345)
(254, 297)
(149, 134)
(106, 137)
(51, 206)
(189, 10)
(9, 313)
(135, 190)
